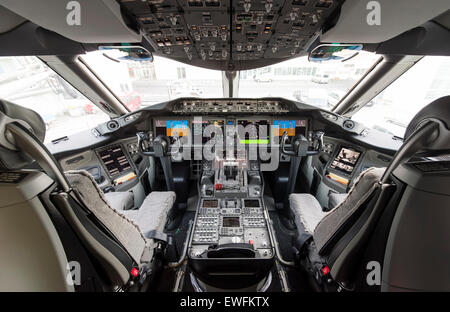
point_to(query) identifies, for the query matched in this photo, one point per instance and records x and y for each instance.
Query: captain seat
(151, 216)
(331, 243)
(123, 242)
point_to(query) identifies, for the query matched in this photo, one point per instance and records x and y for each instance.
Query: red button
(325, 270)
(134, 272)
(250, 242)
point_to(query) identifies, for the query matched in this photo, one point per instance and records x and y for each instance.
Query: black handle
(143, 137)
(161, 145)
(236, 250)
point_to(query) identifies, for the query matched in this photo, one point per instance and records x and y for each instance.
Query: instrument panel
(247, 131)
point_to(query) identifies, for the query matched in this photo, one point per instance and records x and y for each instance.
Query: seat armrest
(335, 199)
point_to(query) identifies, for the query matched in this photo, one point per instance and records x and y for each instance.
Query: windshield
(391, 110)
(139, 84)
(142, 84)
(319, 84)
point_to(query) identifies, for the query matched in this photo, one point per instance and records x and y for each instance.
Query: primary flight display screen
(172, 128)
(345, 160)
(292, 127)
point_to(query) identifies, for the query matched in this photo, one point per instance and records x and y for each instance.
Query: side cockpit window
(392, 110)
(27, 81)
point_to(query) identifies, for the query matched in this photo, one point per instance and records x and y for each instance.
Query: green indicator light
(255, 141)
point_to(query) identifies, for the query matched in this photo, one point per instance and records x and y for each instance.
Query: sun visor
(368, 21)
(85, 21)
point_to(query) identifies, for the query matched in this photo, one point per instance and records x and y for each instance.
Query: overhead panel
(231, 35)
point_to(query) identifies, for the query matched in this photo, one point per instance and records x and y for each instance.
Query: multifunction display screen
(207, 129)
(114, 160)
(345, 160)
(254, 131)
(231, 222)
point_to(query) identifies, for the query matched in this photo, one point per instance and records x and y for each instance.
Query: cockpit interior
(224, 146)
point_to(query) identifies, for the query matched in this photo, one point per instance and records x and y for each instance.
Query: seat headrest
(436, 110)
(33, 119)
(10, 156)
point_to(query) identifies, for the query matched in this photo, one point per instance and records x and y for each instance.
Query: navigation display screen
(231, 222)
(292, 127)
(114, 160)
(345, 160)
(201, 128)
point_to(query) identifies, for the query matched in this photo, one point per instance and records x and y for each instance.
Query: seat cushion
(152, 215)
(307, 212)
(120, 200)
(361, 190)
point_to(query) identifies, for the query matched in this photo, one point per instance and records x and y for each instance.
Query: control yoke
(161, 145)
(300, 147)
(161, 149)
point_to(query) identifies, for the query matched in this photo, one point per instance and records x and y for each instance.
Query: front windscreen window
(392, 110)
(140, 84)
(318, 84)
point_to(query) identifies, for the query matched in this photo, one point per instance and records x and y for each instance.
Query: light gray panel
(34, 183)
(77, 161)
(101, 20)
(396, 17)
(32, 257)
(9, 20)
